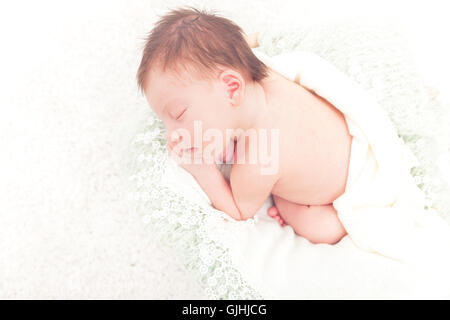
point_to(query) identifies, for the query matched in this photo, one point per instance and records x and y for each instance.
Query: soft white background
(67, 91)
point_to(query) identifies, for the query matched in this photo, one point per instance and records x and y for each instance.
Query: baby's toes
(272, 211)
(280, 220)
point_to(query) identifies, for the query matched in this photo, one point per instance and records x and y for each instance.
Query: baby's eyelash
(179, 116)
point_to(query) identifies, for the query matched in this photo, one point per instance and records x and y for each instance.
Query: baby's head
(197, 66)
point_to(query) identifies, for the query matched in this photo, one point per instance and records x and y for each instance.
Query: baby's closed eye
(178, 112)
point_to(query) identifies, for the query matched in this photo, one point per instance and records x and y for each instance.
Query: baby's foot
(274, 213)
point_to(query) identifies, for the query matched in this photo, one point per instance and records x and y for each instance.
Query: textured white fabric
(69, 107)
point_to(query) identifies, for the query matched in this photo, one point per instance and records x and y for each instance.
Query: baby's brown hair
(198, 41)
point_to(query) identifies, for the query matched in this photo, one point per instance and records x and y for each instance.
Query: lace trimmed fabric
(178, 222)
(182, 219)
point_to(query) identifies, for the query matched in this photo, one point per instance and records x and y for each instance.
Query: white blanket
(396, 247)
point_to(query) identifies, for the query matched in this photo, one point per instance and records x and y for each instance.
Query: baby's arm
(240, 198)
(250, 188)
(210, 180)
(217, 189)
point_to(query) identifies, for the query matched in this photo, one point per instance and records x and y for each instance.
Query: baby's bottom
(318, 224)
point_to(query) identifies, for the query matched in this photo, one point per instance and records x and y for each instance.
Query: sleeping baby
(220, 103)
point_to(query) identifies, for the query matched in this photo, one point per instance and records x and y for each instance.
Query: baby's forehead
(178, 78)
(161, 85)
(170, 78)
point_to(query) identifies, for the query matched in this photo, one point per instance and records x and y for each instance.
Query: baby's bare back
(314, 149)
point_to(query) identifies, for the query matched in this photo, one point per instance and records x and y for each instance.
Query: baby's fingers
(172, 154)
(169, 145)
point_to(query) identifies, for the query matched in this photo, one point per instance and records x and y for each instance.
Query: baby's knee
(318, 224)
(320, 235)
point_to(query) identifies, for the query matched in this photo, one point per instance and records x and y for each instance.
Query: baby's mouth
(189, 151)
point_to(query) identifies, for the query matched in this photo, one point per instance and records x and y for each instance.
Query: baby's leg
(318, 224)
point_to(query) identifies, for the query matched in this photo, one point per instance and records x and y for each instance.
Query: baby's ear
(252, 40)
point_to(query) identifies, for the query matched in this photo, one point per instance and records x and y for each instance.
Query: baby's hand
(192, 161)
